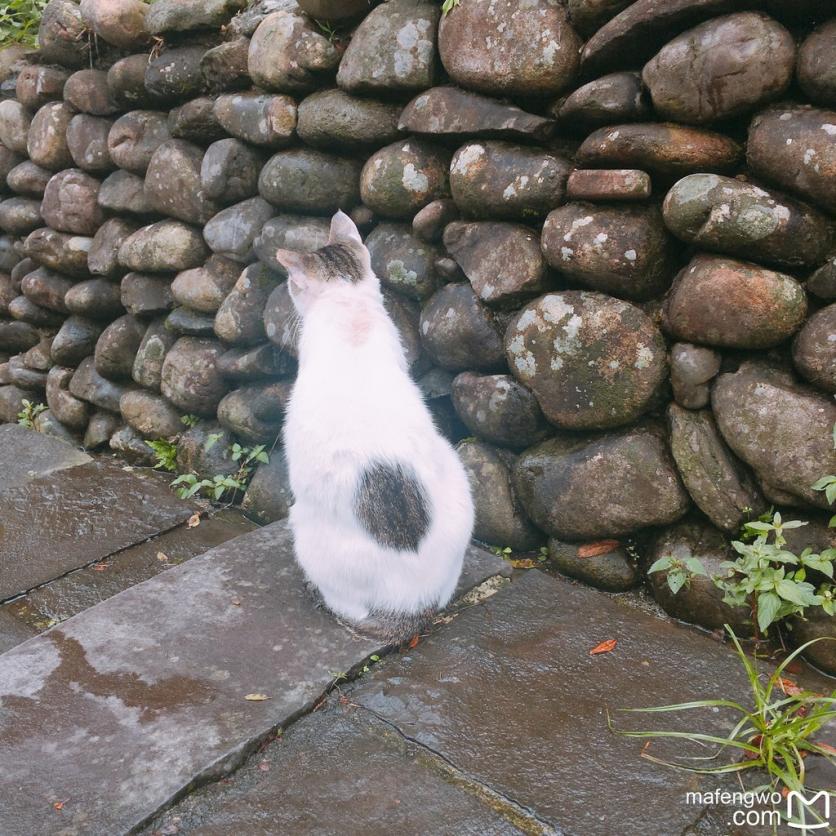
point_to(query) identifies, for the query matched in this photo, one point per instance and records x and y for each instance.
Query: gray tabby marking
(391, 505)
(340, 262)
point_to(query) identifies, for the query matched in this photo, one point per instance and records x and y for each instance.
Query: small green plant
(188, 484)
(221, 485)
(773, 580)
(768, 578)
(189, 420)
(828, 485)
(165, 454)
(505, 552)
(26, 417)
(448, 5)
(679, 571)
(19, 21)
(249, 455)
(746, 534)
(775, 734)
(543, 554)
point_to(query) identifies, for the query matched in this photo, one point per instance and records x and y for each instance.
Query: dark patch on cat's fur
(391, 505)
(339, 261)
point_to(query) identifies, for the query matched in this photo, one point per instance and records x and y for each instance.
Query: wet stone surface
(401, 788)
(168, 701)
(531, 641)
(79, 590)
(62, 521)
(25, 455)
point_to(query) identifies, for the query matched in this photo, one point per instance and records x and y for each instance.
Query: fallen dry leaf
(194, 521)
(524, 563)
(101, 567)
(789, 687)
(236, 602)
(264, 766)
(413, 642)
(604, 647)
(256, 697)
(599, 547)
(161, 556)
(59, 805)
(827, 748)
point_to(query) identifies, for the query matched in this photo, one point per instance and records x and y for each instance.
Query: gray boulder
(502, 261)
(721, 68)
(394, 48)
(715, 479)
(781, 429)
(500, 518)
(172, 183)
(740, 219)
(591, 360)
(288, 53)
(190, 378)
(404, 177)
(166, 246)
(584, 487)
(459, 332)
(498, 409)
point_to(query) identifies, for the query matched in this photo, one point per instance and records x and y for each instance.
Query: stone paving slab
(25, 454)
(13, 631)
(71, 594)
(509, 695)
(340, 771)
(147, 689)
(61, 521)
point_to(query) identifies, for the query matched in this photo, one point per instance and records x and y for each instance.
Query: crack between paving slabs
(115, 554)
(515, 811)
(228, 763)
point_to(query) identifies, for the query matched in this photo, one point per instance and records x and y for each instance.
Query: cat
(382, 511)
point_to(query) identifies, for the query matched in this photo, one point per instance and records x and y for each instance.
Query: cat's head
(342, 265)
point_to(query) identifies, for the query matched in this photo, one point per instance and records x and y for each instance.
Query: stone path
(501, 716)
(123, 715)
(148, 689)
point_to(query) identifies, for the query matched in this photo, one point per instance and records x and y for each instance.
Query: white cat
(383, 511)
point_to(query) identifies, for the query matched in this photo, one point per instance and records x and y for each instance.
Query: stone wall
(605, 232)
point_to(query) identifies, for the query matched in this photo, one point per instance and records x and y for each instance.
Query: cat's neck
(350, 325)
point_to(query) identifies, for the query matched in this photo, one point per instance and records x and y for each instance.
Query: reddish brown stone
(608, 184)
(666, 149)
(720, 301)
(507, 48)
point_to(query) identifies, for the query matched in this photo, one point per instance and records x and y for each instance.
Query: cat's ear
(343, 230)
(294, 263)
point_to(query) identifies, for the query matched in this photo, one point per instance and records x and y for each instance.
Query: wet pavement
(502, 713)
(25, 454)
(148, 689)
(125, 672)
(57, 522)
(63, 598)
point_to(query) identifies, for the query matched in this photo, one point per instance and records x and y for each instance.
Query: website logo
(801, 807)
